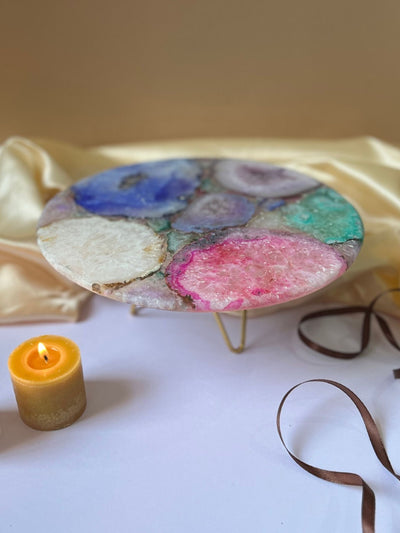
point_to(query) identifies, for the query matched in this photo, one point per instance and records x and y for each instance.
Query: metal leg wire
(221, 326)
(242, 345)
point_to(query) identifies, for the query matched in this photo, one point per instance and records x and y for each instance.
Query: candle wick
(46, 358)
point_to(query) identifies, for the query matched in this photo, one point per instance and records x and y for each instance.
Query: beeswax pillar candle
(46, 374)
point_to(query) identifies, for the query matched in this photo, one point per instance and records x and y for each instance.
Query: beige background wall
(110, 71)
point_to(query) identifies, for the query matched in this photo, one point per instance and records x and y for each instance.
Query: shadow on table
(13, 432)
(108, 394)
(102, 395)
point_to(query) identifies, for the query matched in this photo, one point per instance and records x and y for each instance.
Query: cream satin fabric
(365, 170)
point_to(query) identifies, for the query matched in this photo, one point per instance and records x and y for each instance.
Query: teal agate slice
(323, 213)
(326, 215)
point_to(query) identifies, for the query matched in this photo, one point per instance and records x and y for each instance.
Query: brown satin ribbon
(348, 478)
(369, 312)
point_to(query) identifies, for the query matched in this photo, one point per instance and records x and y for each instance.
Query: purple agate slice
(215, 211)
(262, 179)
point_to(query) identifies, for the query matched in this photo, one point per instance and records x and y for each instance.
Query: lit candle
(46, 374)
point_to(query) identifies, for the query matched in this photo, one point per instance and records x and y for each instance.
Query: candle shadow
(102, 395)
(107, 394)
(13, 432)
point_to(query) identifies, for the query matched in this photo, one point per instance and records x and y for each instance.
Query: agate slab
(200, 234)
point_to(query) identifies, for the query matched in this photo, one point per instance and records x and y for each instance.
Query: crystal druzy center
(201, 234)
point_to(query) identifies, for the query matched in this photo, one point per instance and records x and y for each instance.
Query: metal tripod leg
(221, 326)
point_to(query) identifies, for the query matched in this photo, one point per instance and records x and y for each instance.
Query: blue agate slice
(270, 204)
(215, 211)
(145, 190)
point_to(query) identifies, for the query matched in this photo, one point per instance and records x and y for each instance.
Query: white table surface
(179, 435)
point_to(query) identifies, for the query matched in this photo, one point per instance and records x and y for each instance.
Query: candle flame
(43, 351)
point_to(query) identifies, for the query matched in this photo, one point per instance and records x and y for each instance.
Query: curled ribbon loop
(347, 478)
(368, 311)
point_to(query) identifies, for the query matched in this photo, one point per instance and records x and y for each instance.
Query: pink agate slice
(256, 268)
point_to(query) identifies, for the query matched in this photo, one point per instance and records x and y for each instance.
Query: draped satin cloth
(366, 171)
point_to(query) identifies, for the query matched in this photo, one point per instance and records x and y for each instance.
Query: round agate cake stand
(212, 235)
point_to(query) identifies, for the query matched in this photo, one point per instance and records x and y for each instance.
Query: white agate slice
(262, 179)
(96, 251)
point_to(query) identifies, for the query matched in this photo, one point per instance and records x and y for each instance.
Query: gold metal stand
(242, 345)
(221, 326)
